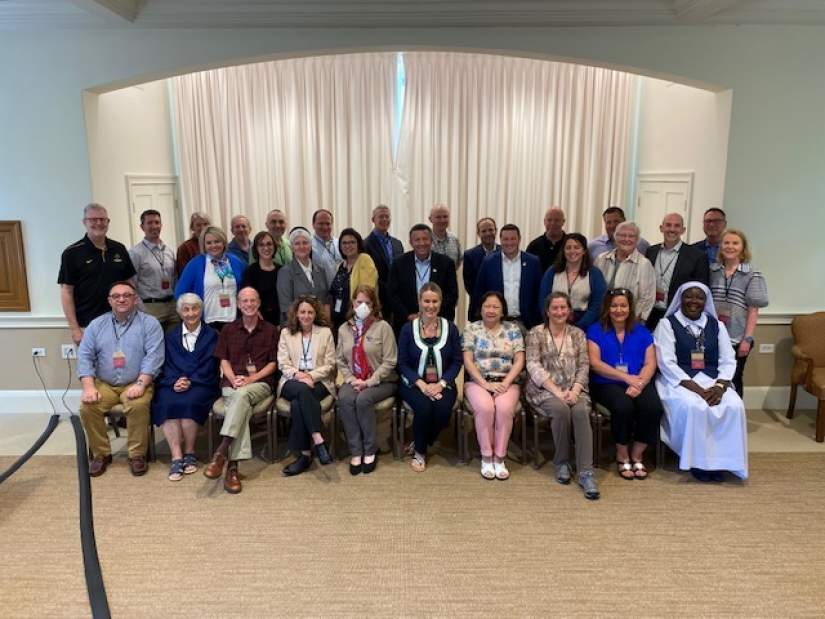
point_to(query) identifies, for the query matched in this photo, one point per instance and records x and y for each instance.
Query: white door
(158, 193)
(658, 194)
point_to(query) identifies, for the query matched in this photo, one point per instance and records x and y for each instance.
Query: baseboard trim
(35, 401)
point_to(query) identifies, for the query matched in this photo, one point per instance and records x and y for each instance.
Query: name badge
(250, 369)
(697, 360)
(660, 295)
(622, 367)
(223, 299)
(118, 360)
(338, 305)
(165, 283)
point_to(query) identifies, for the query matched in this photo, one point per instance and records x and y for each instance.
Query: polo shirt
(92, 272)
(636, 343)
(238, 346)
(545, 250)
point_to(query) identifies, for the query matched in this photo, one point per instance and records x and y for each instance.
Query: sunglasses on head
(615, 292)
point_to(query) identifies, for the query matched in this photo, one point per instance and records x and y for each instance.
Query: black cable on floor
(53, 421)
(91, 562)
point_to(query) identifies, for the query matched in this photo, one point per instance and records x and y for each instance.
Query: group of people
(660, 334)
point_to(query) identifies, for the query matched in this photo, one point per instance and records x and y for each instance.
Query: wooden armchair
(809, 364)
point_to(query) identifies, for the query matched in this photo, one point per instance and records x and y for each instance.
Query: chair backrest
(809, 334)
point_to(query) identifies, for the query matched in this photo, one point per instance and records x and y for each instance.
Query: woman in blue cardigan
(574, 275)
(215, 276)
(429, 360)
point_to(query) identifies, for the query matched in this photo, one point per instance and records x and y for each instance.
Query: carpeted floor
(442, 543)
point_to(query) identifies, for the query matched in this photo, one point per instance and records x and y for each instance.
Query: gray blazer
(293, 282)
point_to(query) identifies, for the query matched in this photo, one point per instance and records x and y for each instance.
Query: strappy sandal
(639, 470)
(488, 472)
(501, 471)
(190, 464)
(176, 470)
(418, 464)
(625, 470)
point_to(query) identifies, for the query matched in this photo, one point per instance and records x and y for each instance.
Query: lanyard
(558, 351)
(728, 282)
(669, 264)
(305, 349)
(222, 268)
(620, 343)
(114, 329)
(698, 338)
(569, 283)
(424, 277)
(628, 281)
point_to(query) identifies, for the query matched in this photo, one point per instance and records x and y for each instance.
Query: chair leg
(523, 437)
(153, 456)
(209, 440)
(334, 423)
(270, 451)
(536, 453)
(394, 430)
(660, 452)
(792, 401)
(820, 422)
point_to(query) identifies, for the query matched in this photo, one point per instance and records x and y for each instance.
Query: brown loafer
(98, 465)
(138, 466)
(214, 469)
(231, 482)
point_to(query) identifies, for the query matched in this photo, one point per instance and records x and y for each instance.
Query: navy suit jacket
(473, 258)
(490, 277)
(375, 248)
(691, 265)
(404, 292)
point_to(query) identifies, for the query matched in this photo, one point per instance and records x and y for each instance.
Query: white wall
(129, 132)
(686, 129)
(776, 155)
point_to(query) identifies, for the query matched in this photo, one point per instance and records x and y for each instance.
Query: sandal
(418, 464)
(639, 470)
(625, 470)
(176, 470)
(501, 471)
(487, 470)
(190, 464)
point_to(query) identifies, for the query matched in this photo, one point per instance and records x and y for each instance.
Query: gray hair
(188, 298)
(380, 207)
(198, 216)
(94, 206)
(299, 231)
(627, 224)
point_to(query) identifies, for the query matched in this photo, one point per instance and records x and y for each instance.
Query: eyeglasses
(716, 220)
(125, 296)
(97, 220)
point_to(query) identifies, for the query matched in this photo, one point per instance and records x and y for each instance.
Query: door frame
(672, 176)
(137, 180)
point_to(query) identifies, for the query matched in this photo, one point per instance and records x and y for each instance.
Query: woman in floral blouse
(493, 359)
(558, 367)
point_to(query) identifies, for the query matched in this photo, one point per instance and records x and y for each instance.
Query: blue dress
(199, 366)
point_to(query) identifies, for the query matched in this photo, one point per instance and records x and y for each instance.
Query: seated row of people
(123, 360)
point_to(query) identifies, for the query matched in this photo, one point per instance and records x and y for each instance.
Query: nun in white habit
(704, 420)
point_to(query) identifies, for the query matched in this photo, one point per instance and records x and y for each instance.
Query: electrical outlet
(767, 348)
(68, 351)
(38, 352)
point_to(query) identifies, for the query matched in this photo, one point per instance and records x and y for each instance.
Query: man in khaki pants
(119, 356)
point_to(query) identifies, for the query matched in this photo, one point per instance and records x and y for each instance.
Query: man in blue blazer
(515, 274)
(486, 229)
(383, 249)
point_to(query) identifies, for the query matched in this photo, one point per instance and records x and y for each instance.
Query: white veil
(676, 303)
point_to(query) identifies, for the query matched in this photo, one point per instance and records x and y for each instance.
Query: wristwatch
(748, 339)
(443, 383)
(139, 381)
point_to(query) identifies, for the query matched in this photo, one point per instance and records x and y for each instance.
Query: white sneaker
(487, 470)
(501, 471)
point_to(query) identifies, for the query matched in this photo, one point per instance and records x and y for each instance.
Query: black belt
(162, 300)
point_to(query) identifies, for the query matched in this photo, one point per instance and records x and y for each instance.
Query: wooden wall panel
(14, 287)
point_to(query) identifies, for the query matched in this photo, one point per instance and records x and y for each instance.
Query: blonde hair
(745, 256)
(214, 231)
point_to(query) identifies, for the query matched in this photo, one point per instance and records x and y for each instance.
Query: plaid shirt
(239, 347)
(450, 247)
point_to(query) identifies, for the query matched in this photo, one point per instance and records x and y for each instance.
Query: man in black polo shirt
(547, 246)
(88, 269)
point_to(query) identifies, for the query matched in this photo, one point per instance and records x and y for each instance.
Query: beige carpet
(442, 543)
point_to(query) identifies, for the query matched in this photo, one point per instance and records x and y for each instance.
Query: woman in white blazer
(306, 357)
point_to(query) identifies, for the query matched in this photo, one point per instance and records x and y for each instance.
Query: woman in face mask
(366, 357)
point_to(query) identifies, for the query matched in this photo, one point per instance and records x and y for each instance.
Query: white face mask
(362, 311)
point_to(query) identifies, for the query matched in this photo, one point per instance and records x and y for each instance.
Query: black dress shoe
(355, 469)
(323, 454)
(298, 466)
(369, 467)
(717, 476)
(700, 475)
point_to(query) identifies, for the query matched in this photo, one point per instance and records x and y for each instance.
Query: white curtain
(508, 137)
(298, 135)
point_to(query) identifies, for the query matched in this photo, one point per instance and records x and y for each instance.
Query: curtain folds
(488, 135)
(298, 135)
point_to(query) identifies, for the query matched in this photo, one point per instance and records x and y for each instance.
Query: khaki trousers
(239, 405)
(166, 313)
(137, 419)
